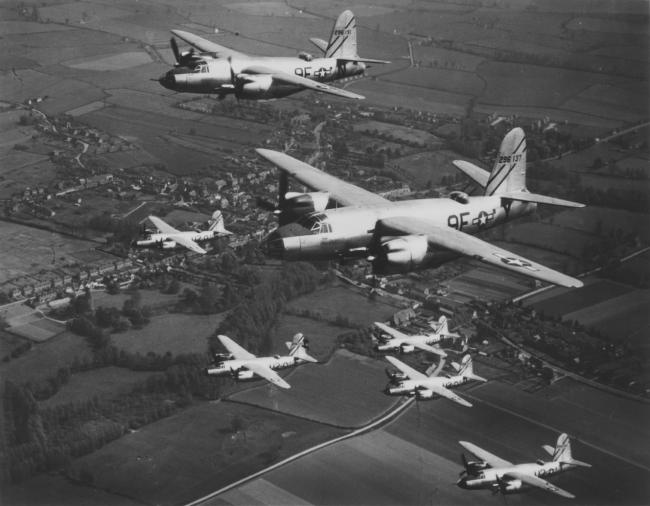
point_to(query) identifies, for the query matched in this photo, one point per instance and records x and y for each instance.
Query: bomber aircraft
(407, 235)
(404, 343)
(168, 237)
(499, 475)
(243, 365)
(221, 70)
(414, 383)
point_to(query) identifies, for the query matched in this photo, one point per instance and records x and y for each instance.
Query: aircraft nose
(167, 80)
(273, 245)
(462, 483)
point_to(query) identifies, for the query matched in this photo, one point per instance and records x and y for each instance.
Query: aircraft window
(316, 223)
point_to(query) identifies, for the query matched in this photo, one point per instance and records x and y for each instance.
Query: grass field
(188, 455)
(56, 490)
(335, 301)
(45, 359)
(176, 333)
(107, 382)
(349, 390)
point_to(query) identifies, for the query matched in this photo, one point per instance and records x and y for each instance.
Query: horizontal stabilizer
(358, 59)
(525, 196)
(479, 175)
(319, 43)
(575, 462)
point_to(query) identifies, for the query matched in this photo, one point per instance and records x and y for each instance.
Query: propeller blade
(265, 204)
(177, 53)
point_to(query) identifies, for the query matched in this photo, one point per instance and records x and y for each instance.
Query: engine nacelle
(424, 394)
(220, 357)
(473, 467)
(394, 376)
(168, 244)
(406, 348)
(298, 204)
(254, 87)
(244, 375)
(510, 486)
(402, 254)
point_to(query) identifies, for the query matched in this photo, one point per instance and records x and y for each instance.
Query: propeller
(465, 470)
(177, 53)
(237, 83)
(182, 59)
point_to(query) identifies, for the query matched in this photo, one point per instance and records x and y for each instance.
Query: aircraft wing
(234, 349)
(188, 243)
(406, 370)
(162, 226)
(344, 193)
(445, 392)
(487, 457)
(394, 333)
(427, 347)
(206, 46)
(535, 481)
(267, 373)
(463, 243)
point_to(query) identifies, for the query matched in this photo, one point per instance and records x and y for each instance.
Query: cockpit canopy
(200, 67)
(316, 223)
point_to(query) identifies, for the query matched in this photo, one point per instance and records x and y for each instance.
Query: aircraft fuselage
(160, 239)
(234, 365)
(409, 386)
(216, 75)
(489, 478)
(353, 231)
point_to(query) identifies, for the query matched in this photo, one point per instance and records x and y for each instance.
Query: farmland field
(176, 333)
(602, 220)
(32, 249)
(452, 81)
(594, 292)
(420, 168)
(105, 382)
(348, 388)
(398, 132)
(623, 317)
(190, 454)
(335, 301)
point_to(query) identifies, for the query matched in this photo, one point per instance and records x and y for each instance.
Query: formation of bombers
(339, 221)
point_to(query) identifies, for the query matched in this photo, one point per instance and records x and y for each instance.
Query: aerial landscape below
(324, 252)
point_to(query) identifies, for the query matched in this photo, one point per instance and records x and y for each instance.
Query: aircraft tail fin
(562, 452)
(218, 223)
(467, 369)
(298, 348)
(343, 40)
(508, 176)
(509, 171)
